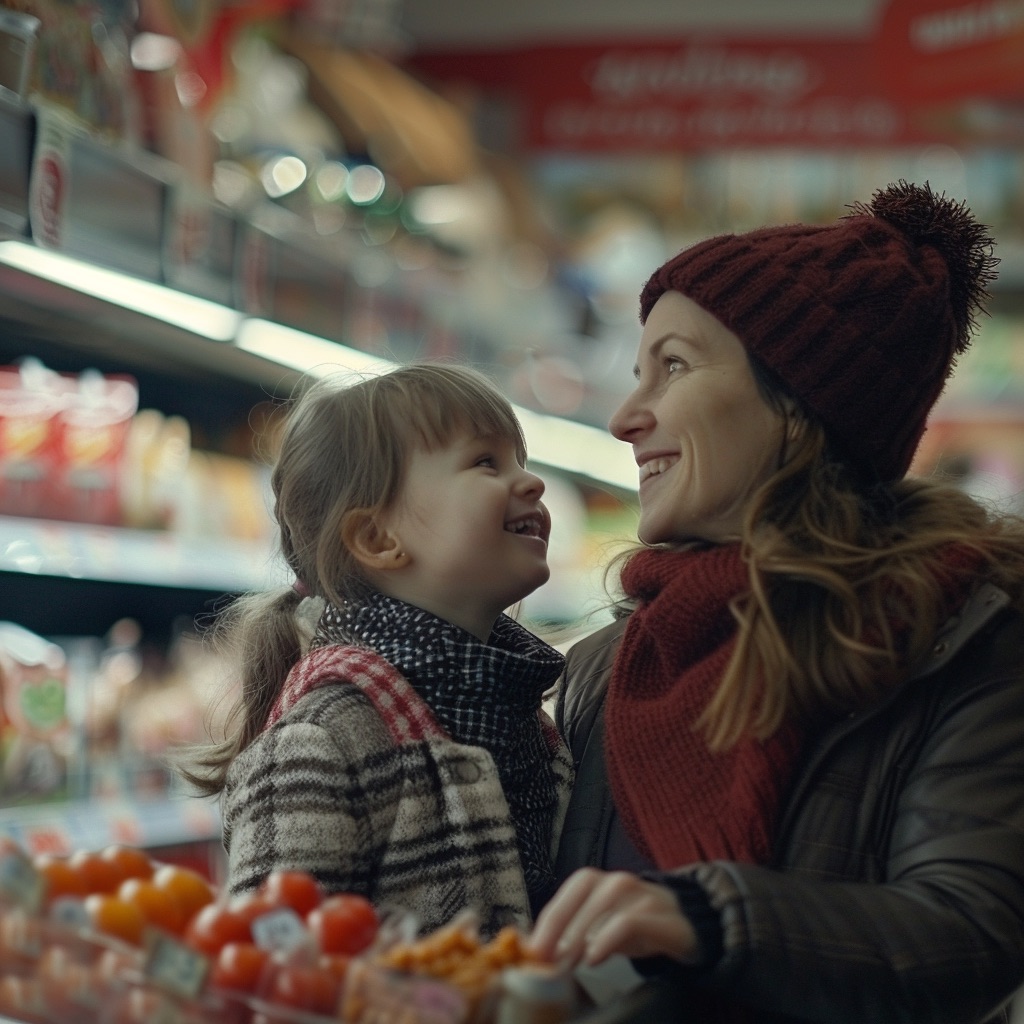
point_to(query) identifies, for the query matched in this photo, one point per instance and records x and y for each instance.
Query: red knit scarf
(679, 802)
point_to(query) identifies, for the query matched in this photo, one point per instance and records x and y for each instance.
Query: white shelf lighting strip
(553, 441)
(200, 316)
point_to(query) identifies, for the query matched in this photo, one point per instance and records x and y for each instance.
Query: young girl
(405, 756)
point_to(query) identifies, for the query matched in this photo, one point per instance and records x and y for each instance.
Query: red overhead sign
(952, 49)
(931, 70)
(710, 93)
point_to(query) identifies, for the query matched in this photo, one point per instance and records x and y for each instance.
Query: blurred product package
(62, 442)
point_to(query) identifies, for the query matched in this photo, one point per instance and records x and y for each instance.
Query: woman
(800, 784)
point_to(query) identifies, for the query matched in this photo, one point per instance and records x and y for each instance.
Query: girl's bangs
(436, 418)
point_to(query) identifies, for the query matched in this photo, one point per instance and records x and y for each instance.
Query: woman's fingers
(596, 914)
(557, 922)
(649, 923)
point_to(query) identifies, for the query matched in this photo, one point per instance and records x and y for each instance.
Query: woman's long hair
(345, 446)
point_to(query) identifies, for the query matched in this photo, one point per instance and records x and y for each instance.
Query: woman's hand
(597, 913)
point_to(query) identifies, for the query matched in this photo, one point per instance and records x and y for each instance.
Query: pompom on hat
(861, 320)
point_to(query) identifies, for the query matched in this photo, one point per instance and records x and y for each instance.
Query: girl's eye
(487, 460)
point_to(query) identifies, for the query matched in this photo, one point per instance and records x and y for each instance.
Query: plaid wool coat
(355, 781)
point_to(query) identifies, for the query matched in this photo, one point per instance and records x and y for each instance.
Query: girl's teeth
(522, 527)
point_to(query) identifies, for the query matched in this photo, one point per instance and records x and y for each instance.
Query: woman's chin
(652, 535)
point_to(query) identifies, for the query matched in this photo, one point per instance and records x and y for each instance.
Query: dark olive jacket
(896, 889)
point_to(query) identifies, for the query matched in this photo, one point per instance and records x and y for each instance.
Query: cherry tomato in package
(296, 889)
(345, 923)
(214, 926)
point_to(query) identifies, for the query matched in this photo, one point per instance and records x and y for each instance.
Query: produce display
(115, 937)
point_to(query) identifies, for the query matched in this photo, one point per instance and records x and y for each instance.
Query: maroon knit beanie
(860, 320)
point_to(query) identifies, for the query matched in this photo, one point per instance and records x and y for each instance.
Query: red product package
(91, 435)
(31, 399)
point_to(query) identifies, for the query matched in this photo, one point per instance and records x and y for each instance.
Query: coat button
(467, 771)
(940, 648)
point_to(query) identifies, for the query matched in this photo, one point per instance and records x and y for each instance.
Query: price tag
(20, 884)
(69, 911)
(174, 966)
(49, 184)
(280, 929)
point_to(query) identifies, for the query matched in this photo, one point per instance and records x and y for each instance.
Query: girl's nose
(529, 485)
(630, 419)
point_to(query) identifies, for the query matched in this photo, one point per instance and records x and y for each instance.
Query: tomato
(296, 889)
(157, 905)
(190, 890)
(214, 926)
(345, 923)
(97, 874)
(129, 861)
(114, 916)
(305, 988)
(60, 879)
(240, 966)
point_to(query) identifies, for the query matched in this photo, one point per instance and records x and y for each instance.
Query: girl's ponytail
(264, 634)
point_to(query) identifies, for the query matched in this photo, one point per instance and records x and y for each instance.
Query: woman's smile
(651, 466)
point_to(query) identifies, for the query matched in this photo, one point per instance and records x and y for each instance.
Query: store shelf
(90, 323)
(64, 827)
(40, 547)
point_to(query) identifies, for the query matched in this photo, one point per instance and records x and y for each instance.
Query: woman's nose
(630, 419)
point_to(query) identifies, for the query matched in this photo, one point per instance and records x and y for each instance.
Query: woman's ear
(372, 544)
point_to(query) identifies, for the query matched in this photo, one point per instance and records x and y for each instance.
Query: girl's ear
(372, 544)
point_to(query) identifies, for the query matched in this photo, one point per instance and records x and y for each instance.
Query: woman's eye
(672, 365)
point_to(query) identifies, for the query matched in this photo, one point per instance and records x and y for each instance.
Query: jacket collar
(978, 610)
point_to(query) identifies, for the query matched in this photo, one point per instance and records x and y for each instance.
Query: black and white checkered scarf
(485, 695)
